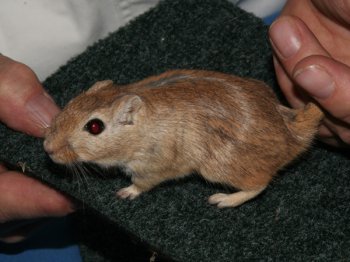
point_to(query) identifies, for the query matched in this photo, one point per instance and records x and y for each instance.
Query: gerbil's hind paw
(233, 200)
(129, 192)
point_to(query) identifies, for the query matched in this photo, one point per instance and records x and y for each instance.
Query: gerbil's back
(194, 89)
(213, 103)
(218, 110)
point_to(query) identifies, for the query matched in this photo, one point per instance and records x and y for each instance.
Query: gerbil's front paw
(129, 192)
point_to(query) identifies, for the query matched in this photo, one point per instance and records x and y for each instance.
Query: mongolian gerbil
(228, 129)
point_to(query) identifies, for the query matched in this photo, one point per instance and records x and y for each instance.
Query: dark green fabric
(303, 215)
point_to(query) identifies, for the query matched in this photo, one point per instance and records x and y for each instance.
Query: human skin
(311, 42)
(26, 107)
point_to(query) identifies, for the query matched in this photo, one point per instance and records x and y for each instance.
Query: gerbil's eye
(94, 126)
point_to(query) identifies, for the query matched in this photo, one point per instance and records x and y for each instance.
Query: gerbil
(228, 129)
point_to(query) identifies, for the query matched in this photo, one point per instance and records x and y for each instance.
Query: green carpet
(304, 215)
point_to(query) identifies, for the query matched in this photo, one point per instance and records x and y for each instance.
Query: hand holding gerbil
(21, 98)
(228, 129)
(311, 41)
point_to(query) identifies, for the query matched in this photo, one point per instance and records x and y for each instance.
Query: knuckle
(344, 135)
(14, 73)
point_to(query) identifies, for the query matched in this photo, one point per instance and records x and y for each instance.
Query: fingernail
(42, 109)
(285, 38)
(316, 81)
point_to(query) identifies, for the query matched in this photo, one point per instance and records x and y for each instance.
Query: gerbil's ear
(98, 85)
(126, 108)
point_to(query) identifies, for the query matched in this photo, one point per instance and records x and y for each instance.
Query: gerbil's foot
(129, 192)
(233, 200)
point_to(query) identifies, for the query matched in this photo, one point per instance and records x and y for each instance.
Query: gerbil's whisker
(83, 172)
(94, 169)
(75, 174)
(78, 176)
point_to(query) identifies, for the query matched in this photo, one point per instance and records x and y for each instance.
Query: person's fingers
(302, 60)
(24, 104)
(293, 95)
(292, 41)
(19, 230)
(23, 197)
(336, 10)
(327, 81)
(2, 169)
(333, 35)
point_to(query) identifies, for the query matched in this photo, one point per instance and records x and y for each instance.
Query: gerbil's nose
(47, 147)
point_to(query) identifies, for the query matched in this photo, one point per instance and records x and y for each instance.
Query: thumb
(24, 104)
(326, 80)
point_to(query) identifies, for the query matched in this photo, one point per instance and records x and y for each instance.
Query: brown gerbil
(228, 129)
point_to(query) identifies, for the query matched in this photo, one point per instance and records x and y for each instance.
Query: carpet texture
(304, 215)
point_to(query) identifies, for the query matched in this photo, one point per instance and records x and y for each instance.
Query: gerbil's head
(96, 126)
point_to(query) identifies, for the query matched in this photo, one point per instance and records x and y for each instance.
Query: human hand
(26, 107)
(311, 42)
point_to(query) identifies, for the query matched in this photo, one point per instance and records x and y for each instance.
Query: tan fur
(228, 129)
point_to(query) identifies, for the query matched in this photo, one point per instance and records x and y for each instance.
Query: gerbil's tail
(303, 123)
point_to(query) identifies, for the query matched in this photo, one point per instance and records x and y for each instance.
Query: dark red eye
(95, 126)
